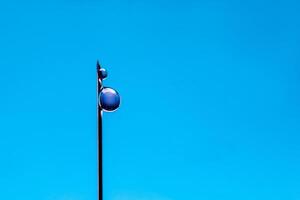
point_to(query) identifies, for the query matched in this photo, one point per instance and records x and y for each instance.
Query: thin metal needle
(100, 165)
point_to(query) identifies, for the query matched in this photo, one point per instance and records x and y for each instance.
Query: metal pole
(100, 159)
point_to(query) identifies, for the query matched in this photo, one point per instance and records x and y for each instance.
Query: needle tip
(98, 65)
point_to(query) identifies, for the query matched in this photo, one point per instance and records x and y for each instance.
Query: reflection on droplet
(109, 99)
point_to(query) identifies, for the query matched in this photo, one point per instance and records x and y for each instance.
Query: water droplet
(109, 99)
(103, 73)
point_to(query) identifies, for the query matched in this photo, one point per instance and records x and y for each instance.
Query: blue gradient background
(210, 99)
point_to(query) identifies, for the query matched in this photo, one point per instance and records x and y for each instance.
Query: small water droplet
(109, 99)
(103, 73)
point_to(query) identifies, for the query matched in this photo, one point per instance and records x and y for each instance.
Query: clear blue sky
(210, 99)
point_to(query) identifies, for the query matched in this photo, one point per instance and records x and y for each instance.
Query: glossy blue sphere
(109, 99)
(103, 73)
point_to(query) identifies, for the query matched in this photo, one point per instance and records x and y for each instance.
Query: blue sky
(210, 99)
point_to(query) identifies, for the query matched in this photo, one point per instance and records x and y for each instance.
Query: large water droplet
(109, 99)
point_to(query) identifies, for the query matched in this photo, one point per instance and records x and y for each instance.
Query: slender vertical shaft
(100, 168)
